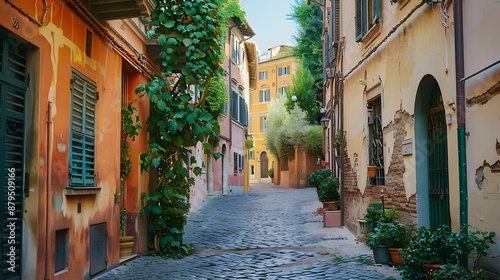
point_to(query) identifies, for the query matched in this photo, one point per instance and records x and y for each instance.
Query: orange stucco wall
(57, 45)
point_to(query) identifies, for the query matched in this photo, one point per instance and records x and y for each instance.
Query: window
(282, 71)
(239, 109)
(241, 162)
(235, 50)
(88, 44)
(82, 133)
(252, 170)
(235, 163)
(264, 95)
(367, 15)
(263, 75)
(62, 251)
(376, 137)
(282, 91)
(262, 124)
(251, 155)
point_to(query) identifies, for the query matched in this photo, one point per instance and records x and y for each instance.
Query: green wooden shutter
(359, 20)
(376, 11)
(336, 21)
(13, 83)
(82, 152)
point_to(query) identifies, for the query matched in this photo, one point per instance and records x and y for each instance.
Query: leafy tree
(303, 82)
(290, 131)
(191, 34)
(309, 50)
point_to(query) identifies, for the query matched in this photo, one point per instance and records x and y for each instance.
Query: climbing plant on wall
(186, 101)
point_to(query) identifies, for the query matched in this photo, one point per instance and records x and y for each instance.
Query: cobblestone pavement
(268, 233)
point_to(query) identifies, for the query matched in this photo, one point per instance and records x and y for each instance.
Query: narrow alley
(267, 233)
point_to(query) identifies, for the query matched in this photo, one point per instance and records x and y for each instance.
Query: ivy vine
(130, 126)
(186, 102)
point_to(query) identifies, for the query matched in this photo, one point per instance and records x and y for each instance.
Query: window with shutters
(236, 52)
(263, 75)
(367, 16)
(262, 124)
(264, 95)
(282, 71)
(282, 91)
(82, 134)
(235, 163)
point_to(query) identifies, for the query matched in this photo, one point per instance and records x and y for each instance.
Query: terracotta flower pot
(397, 259)
(372, 171)
(428, 267)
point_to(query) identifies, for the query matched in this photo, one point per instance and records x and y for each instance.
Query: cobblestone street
(268, 233)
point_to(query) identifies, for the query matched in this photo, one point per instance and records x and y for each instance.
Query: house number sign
(16, 23)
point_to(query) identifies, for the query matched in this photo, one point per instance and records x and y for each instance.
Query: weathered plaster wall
(58, 47)
(483, 118)
(419, 47)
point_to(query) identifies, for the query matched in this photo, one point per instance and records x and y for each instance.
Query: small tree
(290, 130)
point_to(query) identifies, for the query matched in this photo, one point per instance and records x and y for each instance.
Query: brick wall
(355, 202)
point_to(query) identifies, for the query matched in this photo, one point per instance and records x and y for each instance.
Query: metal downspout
(341, 116)
(47, 193)
(229, 109)
(460, 95)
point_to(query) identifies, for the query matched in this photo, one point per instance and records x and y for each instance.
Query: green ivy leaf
(155, 162)
(168, 23)
(187, 42)
(161, 105)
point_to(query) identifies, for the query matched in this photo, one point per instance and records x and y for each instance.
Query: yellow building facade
(414, 87)
(275, 74)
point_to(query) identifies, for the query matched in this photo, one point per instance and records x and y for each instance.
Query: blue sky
(268, 19)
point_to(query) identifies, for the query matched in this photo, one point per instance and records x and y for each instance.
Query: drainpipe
(48, 158)
(229, 109)
(341, 116)
(459, 66)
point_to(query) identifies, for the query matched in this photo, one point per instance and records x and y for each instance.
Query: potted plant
(331, 218)
(432, 249)
(328, 191)
(379, 242)
(398, 239)
(318, 176)
(376, 213)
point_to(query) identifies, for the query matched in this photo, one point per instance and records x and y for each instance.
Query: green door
(13, 81)
(437, 151)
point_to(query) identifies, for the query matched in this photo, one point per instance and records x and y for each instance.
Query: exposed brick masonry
(394, 191)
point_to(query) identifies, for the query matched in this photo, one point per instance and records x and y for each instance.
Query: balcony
(119, 9)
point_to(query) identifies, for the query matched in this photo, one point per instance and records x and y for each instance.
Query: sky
(268, 20)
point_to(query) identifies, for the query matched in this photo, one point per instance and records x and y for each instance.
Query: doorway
(431, 146)
(13, 87)
(264, 165)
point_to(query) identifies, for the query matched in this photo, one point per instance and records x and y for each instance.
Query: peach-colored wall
(57, 47)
